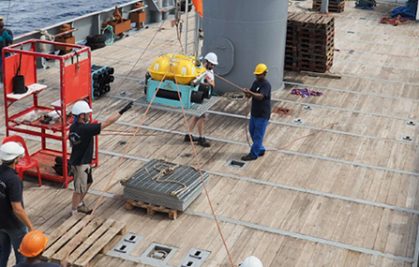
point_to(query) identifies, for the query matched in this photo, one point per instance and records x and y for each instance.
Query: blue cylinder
(244, 33)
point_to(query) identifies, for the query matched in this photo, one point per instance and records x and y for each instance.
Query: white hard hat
(251, 261)
(80, 107)
(212, 58)
(11, 150)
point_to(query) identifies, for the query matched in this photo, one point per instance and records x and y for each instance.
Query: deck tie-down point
(298, 121)
(411, 123)
(407, 138)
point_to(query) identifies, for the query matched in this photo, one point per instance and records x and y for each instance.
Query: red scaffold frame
(75, 84)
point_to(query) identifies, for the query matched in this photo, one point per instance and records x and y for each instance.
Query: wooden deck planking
(363, 225)
(306, 215)
(311, 148)
(306, 168)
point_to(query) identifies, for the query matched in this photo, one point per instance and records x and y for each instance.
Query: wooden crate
(65, 40)
(151, 209)
(119, 28)
(79, 239)
(139, 18)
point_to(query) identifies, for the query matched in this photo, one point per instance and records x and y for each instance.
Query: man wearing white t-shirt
(211, 61)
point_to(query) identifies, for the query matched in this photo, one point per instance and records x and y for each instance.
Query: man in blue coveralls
(260, 92)
(6, 39)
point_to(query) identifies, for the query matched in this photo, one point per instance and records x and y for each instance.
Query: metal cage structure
(74, 84)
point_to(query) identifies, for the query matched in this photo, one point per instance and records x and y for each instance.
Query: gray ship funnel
(244, 33)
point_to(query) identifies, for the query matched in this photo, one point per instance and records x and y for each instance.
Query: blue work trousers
(11, 238)
(257, 129)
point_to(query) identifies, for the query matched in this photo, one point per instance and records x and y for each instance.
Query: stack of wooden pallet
(336, 6)
(291, 48)
(310, 42)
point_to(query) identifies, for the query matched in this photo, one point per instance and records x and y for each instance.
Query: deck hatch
(157, 255)
(236, 163)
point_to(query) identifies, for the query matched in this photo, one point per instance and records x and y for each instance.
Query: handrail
(138, 9)
(64, 33)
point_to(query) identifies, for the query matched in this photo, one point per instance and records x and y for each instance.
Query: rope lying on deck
(164, 170)
(199, 168)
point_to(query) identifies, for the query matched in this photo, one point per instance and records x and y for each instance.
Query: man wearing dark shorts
(211, 61)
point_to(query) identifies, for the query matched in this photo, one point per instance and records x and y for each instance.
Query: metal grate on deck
(165, 184)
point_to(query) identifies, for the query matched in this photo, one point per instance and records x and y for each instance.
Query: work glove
(126, 108)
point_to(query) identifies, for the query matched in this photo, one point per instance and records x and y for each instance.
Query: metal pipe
(325, 6)
(64, 33)
(186, 25)
(417, 18)
(196, 36)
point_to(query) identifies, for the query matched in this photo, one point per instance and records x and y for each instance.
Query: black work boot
(188, 138)
(203, 142)
(248, 157)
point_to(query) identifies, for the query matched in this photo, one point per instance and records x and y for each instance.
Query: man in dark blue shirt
(14, 220)
(260, 92)
(81, 136)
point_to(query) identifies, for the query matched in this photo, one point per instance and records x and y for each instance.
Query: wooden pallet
(312, 55)
(79, 239)
(316, 49)
(337, 6)
(316, 36)
(292, 67)
(316, 67)
(151, 209)
(310, 42)
(318, 23)
(313, 32)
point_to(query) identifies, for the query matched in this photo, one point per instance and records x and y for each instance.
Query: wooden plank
(54, 236)
(323, 75)
(100, 244)
(77, 239)
(90, 240)
(67, 236)
(151, 209)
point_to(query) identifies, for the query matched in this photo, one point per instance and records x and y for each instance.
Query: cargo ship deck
(339, 187)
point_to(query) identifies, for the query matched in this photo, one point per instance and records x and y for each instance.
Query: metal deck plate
(124, 247)
(195, 110)
(175, 190)
(195, 258)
